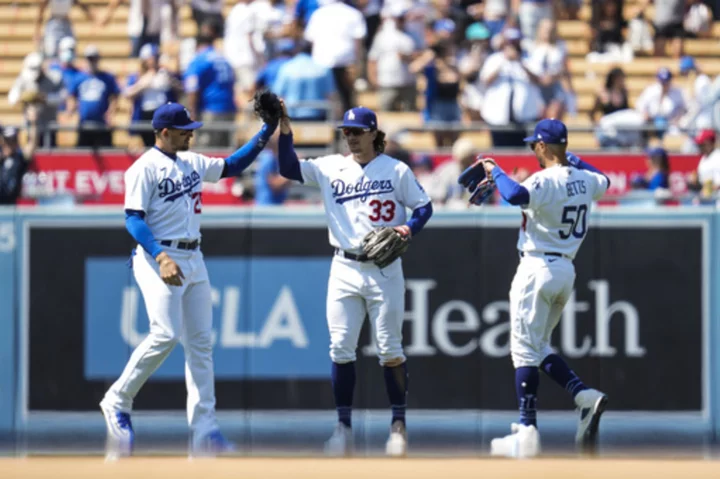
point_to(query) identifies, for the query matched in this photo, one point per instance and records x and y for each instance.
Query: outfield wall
(642, 324)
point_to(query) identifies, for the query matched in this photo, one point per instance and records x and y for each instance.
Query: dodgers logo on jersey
(343, 192)
(174, 189)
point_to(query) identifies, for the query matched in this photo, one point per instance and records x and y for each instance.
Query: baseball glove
(384, 245)
(267, 107)
(477, 183)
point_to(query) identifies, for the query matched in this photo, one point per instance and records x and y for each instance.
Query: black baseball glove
(384, 245)
(267, 107)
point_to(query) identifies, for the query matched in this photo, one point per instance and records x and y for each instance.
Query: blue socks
(527, 380)
(396, 384)
(343, 384)
(556, 367)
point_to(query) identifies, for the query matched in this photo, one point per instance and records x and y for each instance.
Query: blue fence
(269, 310)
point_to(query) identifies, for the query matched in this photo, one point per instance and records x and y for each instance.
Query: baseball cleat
(396, 444)
(341, 442)
(210, 445)
(524, 442)
(120, 434)
(591, 404)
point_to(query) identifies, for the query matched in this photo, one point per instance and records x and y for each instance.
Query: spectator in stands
(661, 104)
(458, 12)
(302, 80)
(58, 25)
(272, 20)
(303, 11)
(699, 88)
(149, 89)
(266, 78)
(698, 19)
(239, 46)
(471, 61)
(606, 26)
(658, 172)
(388, 63)
(371, 12)
(14, 162)
(669, 17)
(512, 97)
(209, 86)
(548, 61)
(442, 89)
(707, 177)
(94, 96)
(443, 187)
(337, 32)
(40, 92)
(204, 11)
(529, 13)
(495, 14)
(617, 124)
(271, 188)
(145, 21)
(612, 97)
(66, 64)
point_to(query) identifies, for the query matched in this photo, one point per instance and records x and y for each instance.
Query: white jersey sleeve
(410, 193)
(138, 187)
(539, 191)
(211, 168)
(600, 185)
(310, 170)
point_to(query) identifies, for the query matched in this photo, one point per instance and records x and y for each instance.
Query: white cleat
(120, 435)
(396, 444)
(590, 404)
(341, 442)
(522, 443)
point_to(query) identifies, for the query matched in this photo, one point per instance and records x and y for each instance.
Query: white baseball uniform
(358, 199)
(169, 192)
(555, 221)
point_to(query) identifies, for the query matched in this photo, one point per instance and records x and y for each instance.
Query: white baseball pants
(539, 291)
(177, 314)
(358, 289)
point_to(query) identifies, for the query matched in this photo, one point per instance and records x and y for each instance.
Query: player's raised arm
(267, 107)
(289, 165)
(575, 161)
(511, 191)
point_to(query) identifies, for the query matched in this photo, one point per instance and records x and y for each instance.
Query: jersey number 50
(576, 218)
(384, 210)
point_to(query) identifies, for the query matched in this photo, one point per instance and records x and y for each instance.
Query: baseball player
(163, 202)
(365, 196)
(555, 206)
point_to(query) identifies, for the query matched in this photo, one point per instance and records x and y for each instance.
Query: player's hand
(488, 164)
(170, 272)
(404, 230)
(285, 128)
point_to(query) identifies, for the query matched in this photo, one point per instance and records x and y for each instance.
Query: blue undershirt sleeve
(236, 163)
(419, 217)
(138, 229)
(511, 191)
(287, 159)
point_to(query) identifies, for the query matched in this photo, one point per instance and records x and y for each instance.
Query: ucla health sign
(280, 333)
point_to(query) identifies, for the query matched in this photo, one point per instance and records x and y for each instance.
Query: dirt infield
(370, 468)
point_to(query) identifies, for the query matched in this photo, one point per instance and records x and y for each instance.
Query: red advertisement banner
(98, 178)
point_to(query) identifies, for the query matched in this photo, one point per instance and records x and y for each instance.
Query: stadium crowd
(500, 62)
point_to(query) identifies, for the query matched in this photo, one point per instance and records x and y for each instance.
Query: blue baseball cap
(359, 117)
(550, 131)
(174, 115)
(477, 31)
(687, 64)
(664, 75)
